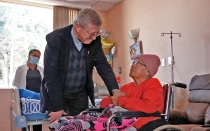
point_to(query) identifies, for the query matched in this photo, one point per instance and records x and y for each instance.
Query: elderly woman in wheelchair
(145, 94)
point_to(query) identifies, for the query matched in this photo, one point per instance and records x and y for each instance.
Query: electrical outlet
(163, 62)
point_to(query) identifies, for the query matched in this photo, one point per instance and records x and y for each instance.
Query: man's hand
(55, 115)
(118, 93)
(115, 100)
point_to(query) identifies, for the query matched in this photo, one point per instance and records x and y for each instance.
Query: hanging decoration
(107, 46)
(134, 49)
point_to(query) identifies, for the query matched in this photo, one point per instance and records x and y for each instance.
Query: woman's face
(35, 54)
(138, 69)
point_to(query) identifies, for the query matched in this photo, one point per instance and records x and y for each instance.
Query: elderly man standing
(70, 55)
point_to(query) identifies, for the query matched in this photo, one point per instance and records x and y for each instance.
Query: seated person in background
(145, 94)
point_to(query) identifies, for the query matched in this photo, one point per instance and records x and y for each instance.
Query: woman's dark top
(33, 80)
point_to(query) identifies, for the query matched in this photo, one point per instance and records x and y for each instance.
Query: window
(21, 28)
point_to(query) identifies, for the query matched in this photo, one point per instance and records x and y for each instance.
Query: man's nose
(93, 37)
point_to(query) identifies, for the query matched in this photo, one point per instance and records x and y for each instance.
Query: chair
(196, 116)
(17, 119)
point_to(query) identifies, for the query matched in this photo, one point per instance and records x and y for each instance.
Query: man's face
(87, 34)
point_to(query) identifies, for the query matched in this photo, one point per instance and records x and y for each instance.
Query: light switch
(163, 62)
(120, 70)
(169, 60)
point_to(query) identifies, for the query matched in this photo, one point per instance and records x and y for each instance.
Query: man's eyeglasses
(91, 34)
(138, 63)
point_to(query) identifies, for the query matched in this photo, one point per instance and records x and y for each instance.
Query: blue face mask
(34, 60)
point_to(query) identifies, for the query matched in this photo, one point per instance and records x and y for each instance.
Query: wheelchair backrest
(167, 100)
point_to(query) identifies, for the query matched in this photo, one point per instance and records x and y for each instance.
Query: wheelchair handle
(180, 85)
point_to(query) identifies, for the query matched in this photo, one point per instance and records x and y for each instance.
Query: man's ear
(77, 27)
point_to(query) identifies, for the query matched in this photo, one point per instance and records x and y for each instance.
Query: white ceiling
(101, 5)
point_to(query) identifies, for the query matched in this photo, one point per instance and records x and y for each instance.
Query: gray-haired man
(69, 58)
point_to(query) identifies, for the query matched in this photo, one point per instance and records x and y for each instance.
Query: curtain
(63, 16)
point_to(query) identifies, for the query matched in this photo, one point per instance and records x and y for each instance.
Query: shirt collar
(77, 42)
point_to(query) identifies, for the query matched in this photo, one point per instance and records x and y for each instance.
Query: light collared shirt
(77, 43)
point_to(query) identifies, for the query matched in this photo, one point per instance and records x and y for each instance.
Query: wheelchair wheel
(169, 128)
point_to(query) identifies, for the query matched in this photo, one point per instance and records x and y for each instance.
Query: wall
(103, 15)
(5, 102)
(104, 19)
(153, 17)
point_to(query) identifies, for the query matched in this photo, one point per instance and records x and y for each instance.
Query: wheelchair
(161, 124)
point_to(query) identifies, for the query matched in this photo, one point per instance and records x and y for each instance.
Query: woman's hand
(116, 94)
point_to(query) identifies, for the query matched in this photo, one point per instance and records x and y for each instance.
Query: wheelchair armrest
(92, 110)
(95, 109)
(174, 113)
(136, 114)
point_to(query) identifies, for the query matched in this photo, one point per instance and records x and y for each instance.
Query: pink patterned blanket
(86, 122)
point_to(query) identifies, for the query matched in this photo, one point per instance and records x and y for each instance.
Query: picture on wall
(135, 50)
(110, 59)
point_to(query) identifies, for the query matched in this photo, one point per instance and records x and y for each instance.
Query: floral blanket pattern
(86, 122)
